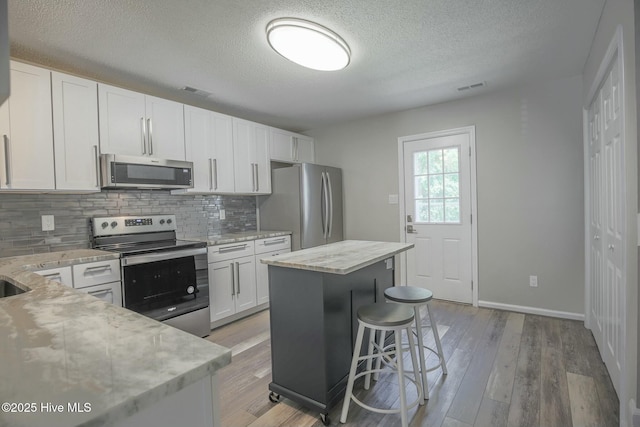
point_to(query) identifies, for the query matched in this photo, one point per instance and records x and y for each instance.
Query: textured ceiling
(405, 53)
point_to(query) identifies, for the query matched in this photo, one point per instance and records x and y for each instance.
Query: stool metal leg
(367, 378)
(352, 374)
(436, 335)
(383, 335)
(423, 362)
(403, 391)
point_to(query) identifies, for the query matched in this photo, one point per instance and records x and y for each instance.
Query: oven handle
(161, 256)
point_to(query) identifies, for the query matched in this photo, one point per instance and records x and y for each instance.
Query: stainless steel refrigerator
(307, 200)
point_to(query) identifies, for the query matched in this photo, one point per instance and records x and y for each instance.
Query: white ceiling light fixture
(308, 44)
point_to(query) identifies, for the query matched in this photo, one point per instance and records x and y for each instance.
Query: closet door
(607, 224)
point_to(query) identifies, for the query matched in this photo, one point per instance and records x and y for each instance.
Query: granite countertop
(61, 346)
(244, 236)
(339, 258)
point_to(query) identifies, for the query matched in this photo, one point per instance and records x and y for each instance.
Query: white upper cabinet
(165, 128)
(251, 157)
(291, 147)
(209, 145)
(135, 124)
(75, 132)
(26, 155)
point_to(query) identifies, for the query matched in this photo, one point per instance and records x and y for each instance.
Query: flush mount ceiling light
(308, 44)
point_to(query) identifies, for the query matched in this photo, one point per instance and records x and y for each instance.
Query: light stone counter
(339, 258)
(244, 236)
(61, 346)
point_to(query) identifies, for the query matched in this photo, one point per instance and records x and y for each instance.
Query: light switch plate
(393, 199)
(48, 223)
(223, 215)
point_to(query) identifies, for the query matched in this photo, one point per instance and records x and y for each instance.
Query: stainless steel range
(163, 278)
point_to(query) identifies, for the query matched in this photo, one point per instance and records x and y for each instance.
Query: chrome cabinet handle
(96, 156)
(210, 174)
(215, 174)
(102, 291)
(7, 172)
(257, 178)
(150, 127)
(53, 276)
(293, 147)
(274, 242)
(253, 177)
(238, 277)
(97, 268)
(233, 279)
(143, 130)
(232, 248)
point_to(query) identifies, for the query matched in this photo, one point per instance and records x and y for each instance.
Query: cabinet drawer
(108, 292)
(273, 244)
(230, 251)
(96, 273)
(60, 275)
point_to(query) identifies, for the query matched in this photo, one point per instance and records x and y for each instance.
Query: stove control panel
(109, 226)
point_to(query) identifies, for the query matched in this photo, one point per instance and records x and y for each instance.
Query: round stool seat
(408, 294)
(387, 315)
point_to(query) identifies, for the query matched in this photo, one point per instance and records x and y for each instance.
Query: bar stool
(383, 317)
(415, 297)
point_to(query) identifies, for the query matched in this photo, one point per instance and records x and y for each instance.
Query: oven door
(156, 280)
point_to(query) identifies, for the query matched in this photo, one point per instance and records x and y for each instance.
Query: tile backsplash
(197, 216)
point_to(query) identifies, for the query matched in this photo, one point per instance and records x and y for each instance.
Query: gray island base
(314, 297)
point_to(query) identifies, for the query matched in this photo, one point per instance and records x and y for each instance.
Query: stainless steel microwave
(145, 172)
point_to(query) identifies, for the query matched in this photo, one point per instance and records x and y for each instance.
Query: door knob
(411, 230)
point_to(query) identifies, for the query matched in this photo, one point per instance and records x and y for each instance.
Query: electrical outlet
(222, 214)
(533, 281)
(48, 223)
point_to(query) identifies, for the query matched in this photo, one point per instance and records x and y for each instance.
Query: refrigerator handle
(324, 204)
(330, 207)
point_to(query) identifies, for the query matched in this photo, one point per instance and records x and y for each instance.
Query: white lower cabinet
(100, 279)
(266, 248)
(232, 279)
(61, 275)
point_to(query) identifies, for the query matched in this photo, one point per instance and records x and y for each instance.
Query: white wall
(529, 179)
(621, 13)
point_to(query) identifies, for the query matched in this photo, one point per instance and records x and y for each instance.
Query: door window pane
(437, 186)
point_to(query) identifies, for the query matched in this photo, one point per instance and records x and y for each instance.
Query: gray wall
(620, 13)
(529, 180)
(197, 216)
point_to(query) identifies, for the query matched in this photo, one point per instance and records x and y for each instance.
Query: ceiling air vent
(473, 86)
(195, 91)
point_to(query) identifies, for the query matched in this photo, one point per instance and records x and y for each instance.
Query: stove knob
(169, 221)
(105, 224)
(114, 224)
(161, 221)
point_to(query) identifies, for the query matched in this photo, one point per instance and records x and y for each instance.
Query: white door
(437, 195)
(607, 224)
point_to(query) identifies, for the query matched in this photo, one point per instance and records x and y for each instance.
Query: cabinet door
(251, 157)
(262, 276)
(75, 132)
(245, 283)
(221, 289)
(165, 128)
(223, 164)
(122, 121)
(305, 149)
(27, 131)
(199, 147)
(281, 146)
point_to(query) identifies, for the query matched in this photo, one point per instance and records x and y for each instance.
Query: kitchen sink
(8, 289)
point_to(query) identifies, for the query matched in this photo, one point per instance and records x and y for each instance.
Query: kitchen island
(70, 359)
(314, 296)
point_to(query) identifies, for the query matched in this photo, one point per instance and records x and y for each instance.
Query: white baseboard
(532, 310)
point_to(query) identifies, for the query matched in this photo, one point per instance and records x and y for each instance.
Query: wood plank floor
(505, 369)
